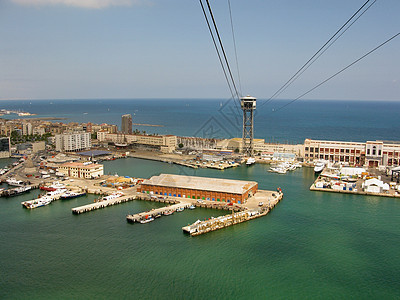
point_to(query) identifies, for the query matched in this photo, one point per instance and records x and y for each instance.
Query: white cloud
(96, 4)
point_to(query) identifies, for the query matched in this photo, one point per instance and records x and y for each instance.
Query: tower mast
(248, 105)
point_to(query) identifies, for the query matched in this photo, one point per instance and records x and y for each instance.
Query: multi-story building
(5, 149)
(76, 141)
(126, 124)
(110, 128)
(6, 129)
(27, 128)
(85, 170)
(370, 153)
(260, 145)
(164, 143)
(39, 130)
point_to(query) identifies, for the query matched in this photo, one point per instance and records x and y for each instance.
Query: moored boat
(71, 195)
(37, 202)
(319, 166)
(279, 170)
(250, 161)
(16, 191)
(51, 188)
(14, 182)
(144, 221)
(112, 196)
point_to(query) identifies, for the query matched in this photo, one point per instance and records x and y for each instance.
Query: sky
(84, 49)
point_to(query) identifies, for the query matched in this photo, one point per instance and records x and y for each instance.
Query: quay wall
(229, 220)
(313, 188)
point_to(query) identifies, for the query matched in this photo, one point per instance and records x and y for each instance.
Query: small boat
(144, 221)
(279, 170)
(14, 182)
(43, 201)
(168, 212)
(55, 186)
(71, 195)
(250, 161)
(319, 166)
(112, 196)
(180, 209)
(16, 191)
(192, 207)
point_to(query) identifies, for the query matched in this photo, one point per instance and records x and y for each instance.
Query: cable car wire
(337, 73)
(310, 61)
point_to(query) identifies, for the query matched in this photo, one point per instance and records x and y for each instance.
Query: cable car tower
(248, 105)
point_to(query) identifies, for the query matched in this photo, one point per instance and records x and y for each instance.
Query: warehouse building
(213, 189)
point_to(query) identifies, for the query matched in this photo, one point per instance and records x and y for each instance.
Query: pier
(154, 213)
(241, 198)
(201, 227)
(102, 204)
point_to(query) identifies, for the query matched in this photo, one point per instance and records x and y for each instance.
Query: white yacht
(15, 182)
(250, 161)
(37, 202)
(319, 166)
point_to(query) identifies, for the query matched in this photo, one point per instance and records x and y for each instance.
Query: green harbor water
(313, 245)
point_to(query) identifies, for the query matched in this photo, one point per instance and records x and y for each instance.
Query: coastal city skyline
(149, 149)
(152, 49)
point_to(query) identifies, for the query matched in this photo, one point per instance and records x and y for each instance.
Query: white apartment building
(165, 143)
(76, 141)
(27, 129)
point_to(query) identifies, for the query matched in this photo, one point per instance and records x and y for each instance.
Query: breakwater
(212, 224)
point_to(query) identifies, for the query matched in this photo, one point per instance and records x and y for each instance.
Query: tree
(237, 150)
(180, 145)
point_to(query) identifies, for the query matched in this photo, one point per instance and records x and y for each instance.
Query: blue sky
(61, 49)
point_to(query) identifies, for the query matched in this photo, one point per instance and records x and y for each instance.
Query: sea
(313, 245)
(274, 121)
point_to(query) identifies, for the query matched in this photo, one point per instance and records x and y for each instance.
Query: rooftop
(94, 153)
(81, 165)
(201, 183)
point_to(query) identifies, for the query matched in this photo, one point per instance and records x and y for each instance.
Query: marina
(356, 180)
(279, 248)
